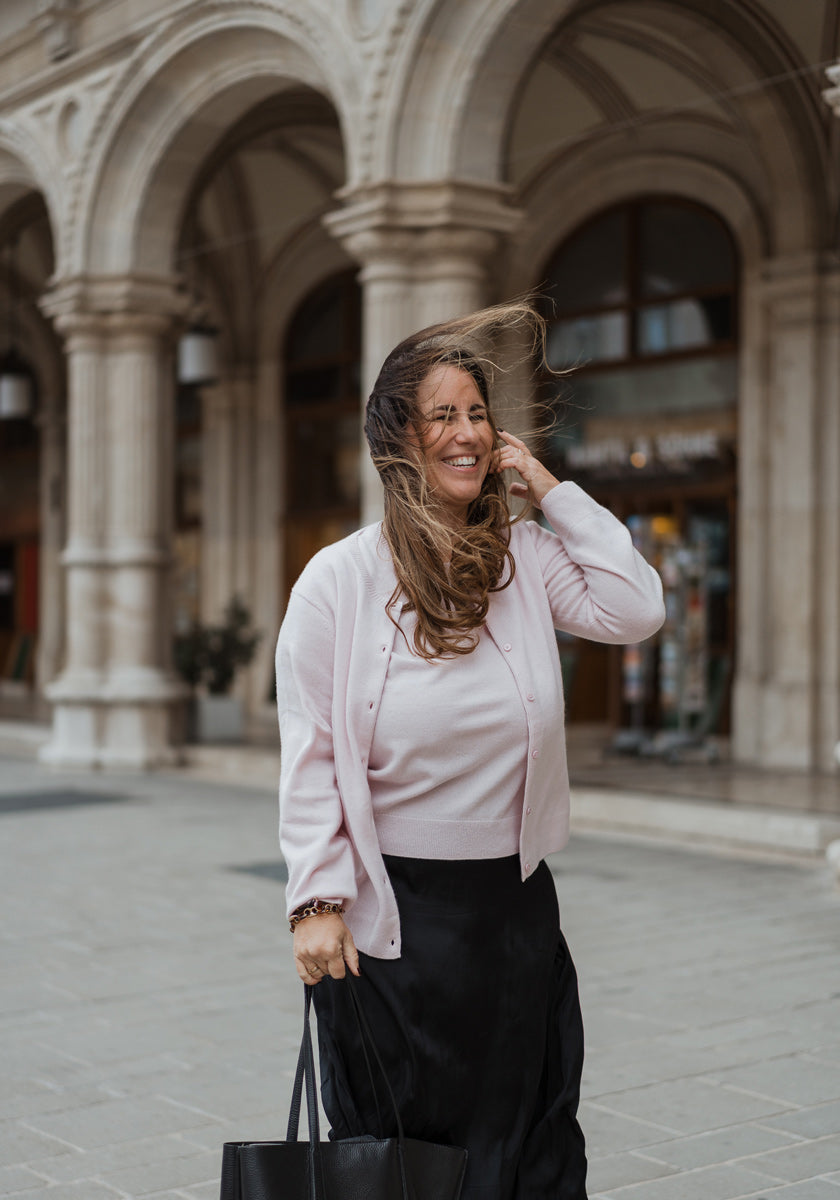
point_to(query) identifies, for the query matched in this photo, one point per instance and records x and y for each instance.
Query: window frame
(635, 302)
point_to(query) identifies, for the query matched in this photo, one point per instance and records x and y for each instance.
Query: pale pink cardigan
(332, 658)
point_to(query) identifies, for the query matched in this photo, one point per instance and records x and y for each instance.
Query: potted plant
(207, 658)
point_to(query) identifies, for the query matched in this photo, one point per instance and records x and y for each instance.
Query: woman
(424, 775)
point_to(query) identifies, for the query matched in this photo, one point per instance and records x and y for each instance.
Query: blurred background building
(217, 216)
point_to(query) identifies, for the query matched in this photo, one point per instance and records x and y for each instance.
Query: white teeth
(467, 461)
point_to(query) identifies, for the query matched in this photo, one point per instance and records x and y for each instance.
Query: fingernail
(500, 430)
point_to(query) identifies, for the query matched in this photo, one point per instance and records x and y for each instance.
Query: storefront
(644, 318)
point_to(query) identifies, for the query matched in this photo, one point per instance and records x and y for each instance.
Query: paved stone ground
(149, 1010)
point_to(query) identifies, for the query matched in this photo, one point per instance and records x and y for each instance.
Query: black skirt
(478, 1024)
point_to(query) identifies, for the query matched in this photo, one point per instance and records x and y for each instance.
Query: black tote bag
(365, 1168)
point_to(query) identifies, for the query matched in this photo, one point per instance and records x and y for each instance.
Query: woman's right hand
(537, 480)
(322, 946)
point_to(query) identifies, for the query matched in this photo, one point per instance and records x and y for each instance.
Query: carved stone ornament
(367, 16)
(58, 21)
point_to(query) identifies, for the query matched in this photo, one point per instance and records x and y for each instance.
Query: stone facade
(250, 150)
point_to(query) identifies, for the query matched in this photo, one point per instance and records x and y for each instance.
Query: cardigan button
(530, 696)
(370, 705)
(527, 868)
(535, 754)
(507, 646)
(528, 811)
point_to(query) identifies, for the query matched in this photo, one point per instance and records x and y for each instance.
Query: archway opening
(256, 199)
(643, 303)
(322, 388)
(30, 487)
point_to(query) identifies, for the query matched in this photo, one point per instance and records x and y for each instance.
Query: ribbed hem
(412, 837)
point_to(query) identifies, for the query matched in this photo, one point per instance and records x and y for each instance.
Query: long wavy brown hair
(444, 575)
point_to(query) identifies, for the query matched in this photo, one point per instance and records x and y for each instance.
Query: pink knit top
(333, 655)
(468, 802)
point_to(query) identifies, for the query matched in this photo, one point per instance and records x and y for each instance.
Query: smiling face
(457, 438)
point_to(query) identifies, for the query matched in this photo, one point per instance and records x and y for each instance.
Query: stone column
(244, 449)
(269, 482)
(786, 690)
(115, 702)
(828, 526)
(218, 479)
(452, 273)
(423, 250)
(387, 317)
(230, 473)
(77, 694)
(53, 534)
(140, 688)
(828, 698)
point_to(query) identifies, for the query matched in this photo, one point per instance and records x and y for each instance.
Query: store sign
(664, 449)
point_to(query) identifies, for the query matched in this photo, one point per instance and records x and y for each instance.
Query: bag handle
(364, 1030)
(297, 1093)
(367, 1037)
(305, 1075)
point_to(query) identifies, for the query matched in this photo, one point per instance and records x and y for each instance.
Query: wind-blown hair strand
(444, 576)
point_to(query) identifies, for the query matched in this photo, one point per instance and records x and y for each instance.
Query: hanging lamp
(198, 346)
(198, 355)
(17, 387)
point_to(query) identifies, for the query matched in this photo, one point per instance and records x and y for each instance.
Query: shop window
(682, 249)
(643, 280)
(642, 308)
(593, 264)
(322, 426)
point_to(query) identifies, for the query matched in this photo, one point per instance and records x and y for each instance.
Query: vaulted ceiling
(272, 177)
(618, 68)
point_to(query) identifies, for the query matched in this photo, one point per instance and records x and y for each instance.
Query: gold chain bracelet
(314, 908)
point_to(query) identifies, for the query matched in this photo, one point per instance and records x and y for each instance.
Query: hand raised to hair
(537, 481)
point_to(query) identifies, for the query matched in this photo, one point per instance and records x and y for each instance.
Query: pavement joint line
(201, 1112)
(787, 1104)
(614, 1112)
(52, 1136)
(797, 1139)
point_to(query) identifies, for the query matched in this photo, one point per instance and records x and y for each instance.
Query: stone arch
(24, 215)
(22, 170)
(465, 55)
(457, 99)
(147, 153)
(615, 180)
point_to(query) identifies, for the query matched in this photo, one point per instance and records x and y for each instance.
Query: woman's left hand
(537, 481)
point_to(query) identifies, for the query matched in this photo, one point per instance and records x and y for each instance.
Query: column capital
(409, 221)
(96, 305)
(832, 95)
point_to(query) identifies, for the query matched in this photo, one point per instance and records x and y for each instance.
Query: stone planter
(217, 719)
